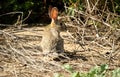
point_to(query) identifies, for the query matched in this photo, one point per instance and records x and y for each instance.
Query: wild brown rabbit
(51, 40)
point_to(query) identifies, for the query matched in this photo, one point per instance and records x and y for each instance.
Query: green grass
(98, 71)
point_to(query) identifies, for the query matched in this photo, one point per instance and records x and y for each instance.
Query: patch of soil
(20, 55)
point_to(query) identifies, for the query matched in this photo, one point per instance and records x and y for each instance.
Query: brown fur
(51, 40)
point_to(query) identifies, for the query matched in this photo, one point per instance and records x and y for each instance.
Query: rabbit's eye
(61, 24)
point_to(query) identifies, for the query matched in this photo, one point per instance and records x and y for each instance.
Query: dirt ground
(20, 55)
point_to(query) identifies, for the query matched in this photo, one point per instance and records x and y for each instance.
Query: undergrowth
(97, 71)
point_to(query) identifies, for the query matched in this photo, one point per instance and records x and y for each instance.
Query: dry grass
(21, 56)
(88, 42)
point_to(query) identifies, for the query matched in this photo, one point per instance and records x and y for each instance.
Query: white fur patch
(54, 32)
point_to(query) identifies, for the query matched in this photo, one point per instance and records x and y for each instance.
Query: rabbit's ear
(49, 10)
(54, 13)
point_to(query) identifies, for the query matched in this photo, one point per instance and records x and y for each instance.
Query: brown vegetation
(89, 40)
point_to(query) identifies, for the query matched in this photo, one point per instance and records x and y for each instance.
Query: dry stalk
(19, 48)
(103, 41)
(25, 53)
